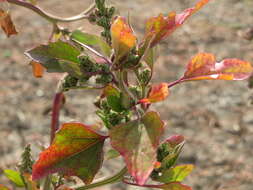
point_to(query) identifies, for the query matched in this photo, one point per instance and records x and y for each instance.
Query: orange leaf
(157, 93)
(160, 27)
(7, 24)
(123, 39)
(38, 69)
(157, 165)
(204, 67)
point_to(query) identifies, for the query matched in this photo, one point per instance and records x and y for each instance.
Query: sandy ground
(214, 116)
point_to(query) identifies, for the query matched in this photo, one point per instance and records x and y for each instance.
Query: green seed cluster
(26, 161)
(110, 117)
(69, 81)
(89, 68)
(102, 16)
(145, 76)
(132, 61)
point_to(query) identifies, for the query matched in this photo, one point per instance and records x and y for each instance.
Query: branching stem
(52, 18)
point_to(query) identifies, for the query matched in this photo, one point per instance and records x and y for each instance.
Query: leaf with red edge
(137, 141)
(175, 186)
(38, 69)
(158, 92)
(175, 140)
(7, 24)
(203, 66)
(76, 151)
(160, 27)
(123, 39)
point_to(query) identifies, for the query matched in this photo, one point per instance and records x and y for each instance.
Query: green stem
(84, 87)
(143, 86)
(52, 18)
(124, 87)
(113, 179)
(47, 183)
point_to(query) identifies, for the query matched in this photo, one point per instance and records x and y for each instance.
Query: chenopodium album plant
(105, 63)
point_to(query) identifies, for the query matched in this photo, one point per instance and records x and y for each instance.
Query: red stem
(175, 82)
(57, 104)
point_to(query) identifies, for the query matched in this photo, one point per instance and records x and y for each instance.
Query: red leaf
(123, 39)
(75, 151)
(157, 93)
(7, 24)
(137, 142)
(38, 69)
(160, 27)
(204, 67)
(175, 140)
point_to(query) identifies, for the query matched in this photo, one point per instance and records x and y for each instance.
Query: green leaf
(52, 55)
(174, 174)
(15, 177)
(76, 151)
(137, 142)
(110, 90)
(92, 40)
(115, 103)
(72, 68)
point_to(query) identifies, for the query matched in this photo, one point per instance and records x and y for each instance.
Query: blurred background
(214, 116)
